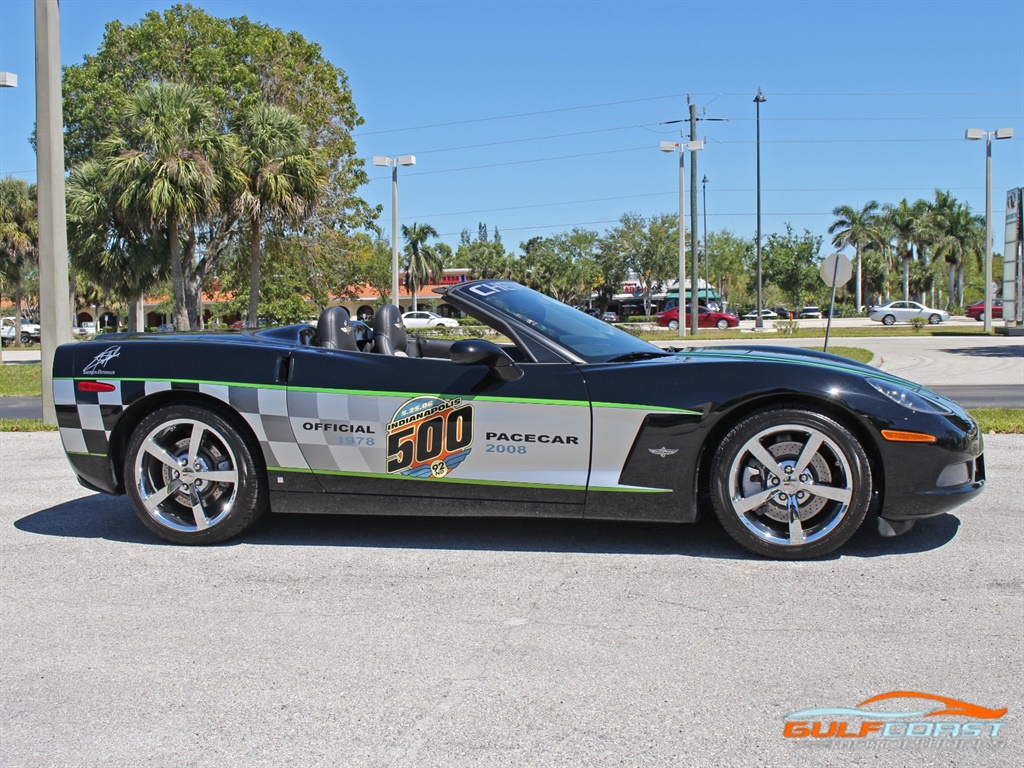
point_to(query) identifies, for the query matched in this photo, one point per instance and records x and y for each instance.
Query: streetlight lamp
(8, 80)
(975, 134)
(704, 194)
(393, 163)
(672, 146)
(758, 101)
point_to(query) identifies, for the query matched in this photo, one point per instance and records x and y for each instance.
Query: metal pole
(394, 233)
(704, 196)
(55, 316)
(682, 246)
(988, 233)
(759, 322)
(694, 261)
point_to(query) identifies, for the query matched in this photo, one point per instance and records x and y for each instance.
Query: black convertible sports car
(569, 417)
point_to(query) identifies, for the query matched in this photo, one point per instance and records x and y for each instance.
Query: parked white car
(428, 320)
(905, 311)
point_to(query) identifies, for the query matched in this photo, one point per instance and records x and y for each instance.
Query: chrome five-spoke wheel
(191, 477)
(790, 483)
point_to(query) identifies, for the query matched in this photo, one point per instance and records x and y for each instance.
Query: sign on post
(835, 270)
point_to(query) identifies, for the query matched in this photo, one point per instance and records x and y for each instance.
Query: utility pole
(694, 264)
(54, 310)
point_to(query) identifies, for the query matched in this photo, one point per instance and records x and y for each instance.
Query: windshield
(593, 340)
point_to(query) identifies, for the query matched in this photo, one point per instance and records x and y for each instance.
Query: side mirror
(481, 352)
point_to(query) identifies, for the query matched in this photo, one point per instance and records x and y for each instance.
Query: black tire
(26, 339)
(888, 320)
(224, 493)
(673, 325)
(934, 319)
(981, 317)
(723, 325)
(741, 477)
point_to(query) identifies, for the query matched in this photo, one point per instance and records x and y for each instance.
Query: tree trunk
(136, 323)
(906, 276)
(860, 282)
(254, 273)
(17, 312)
(181, 316)
(952, 285)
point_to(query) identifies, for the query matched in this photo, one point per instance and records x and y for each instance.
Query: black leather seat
(389, 332)
(334, 331)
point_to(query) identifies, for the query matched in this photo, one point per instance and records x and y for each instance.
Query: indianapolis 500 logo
(429, 436)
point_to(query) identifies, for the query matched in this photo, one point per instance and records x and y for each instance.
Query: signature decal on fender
(98, 362)
(429, 436)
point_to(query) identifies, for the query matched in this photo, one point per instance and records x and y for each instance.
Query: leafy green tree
(791, 262)
(857, 228)
(167, 172)
(423, 262)
(19, 236)
(649, 250)
(728, 255)
(484, 260)
(234, 64)
(284, 179)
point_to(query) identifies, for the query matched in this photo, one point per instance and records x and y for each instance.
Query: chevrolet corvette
(555, 414)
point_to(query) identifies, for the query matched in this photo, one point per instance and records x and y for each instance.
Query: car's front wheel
(934, 319)
(193, 477)
(790, 484)
(981, 317)
(723, 325)
(888, 320)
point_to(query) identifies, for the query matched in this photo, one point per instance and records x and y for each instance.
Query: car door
(374, 424)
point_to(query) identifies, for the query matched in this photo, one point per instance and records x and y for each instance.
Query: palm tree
(19, 236)
(284, 177)
(167, 170)
(857, 228)
(105, 248)
(959, 239)
(424, 262)
(907, 225)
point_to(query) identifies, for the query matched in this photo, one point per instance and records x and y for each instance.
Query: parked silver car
(905, 311)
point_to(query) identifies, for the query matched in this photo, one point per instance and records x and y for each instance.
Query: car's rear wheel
(981, 317)
(723, 324)
(673, 325)
(790, 484)
(934, 319)
(888, 320)
(193, 476)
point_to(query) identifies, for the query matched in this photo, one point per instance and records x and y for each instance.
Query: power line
(535, 113)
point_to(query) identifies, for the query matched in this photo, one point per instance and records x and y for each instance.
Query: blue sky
(540, 116)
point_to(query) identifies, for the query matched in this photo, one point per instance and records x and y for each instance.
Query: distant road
(976, 371)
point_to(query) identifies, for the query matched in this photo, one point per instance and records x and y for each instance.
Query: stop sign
(836, 265)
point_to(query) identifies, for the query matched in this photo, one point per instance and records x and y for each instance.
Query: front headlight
(907, 397)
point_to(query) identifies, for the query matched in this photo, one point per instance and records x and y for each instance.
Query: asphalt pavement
(332, 641)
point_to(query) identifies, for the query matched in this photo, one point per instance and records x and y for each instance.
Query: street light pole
(975, 134)
(393, 163)
(758, 101)
(671, 146)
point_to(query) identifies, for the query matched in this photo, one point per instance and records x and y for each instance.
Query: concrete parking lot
(333, 641)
